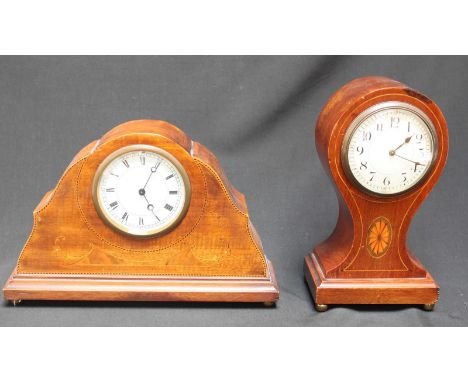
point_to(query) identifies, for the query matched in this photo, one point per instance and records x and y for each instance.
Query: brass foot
(428, 307)
(269, 303)
(321, 307)
(15, 302)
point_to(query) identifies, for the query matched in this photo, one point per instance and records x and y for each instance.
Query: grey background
(257, 114)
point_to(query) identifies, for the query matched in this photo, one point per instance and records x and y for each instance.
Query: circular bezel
(366, 114)
(102, 212)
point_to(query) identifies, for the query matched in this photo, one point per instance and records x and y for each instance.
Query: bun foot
(321, 307)
(428, 307)
(269, 304)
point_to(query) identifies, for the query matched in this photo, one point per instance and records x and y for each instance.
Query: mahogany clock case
(211, 252)
(257, 115)
(345, 268)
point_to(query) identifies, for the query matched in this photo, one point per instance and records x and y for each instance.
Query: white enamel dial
(390, 148)
(141, 190)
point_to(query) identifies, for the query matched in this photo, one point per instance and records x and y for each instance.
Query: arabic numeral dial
(389, 148)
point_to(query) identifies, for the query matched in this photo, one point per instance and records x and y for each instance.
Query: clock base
(332, 291)
(141, 288)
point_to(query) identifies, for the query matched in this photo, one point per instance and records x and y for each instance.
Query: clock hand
(142, 191)
(409, 160)
(416, 164)
(392, 152)
(153, 170)
(150, 206)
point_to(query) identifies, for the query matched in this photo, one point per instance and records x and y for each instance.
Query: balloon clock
(384, 146)
(143, 214)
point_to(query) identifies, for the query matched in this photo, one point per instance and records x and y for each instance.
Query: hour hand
(407, 140)
(150, 207)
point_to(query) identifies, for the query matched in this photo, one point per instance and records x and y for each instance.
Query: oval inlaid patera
(379, 237)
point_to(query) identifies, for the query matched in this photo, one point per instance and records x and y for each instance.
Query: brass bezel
(367, 113)
(120, 227)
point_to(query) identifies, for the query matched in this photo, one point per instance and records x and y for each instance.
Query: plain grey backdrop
(257, 114)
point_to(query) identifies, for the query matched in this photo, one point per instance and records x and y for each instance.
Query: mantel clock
(143, 214)
(384, 146)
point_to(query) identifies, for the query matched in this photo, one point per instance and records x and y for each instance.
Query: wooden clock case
(341, 270)
(214, 253)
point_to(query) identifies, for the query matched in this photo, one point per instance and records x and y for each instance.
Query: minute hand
(153, 170)
(416, 164)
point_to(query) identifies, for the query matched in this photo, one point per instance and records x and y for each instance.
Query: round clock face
(389, 148)
(141, 190)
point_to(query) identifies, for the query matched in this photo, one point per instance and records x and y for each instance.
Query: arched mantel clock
(145, 214)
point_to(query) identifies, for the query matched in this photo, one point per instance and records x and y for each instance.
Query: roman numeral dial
(389, 148)
(141, 190)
